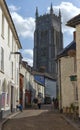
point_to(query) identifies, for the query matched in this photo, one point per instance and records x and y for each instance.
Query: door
(11, 98)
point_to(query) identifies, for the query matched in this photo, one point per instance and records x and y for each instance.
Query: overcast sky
(23, 15)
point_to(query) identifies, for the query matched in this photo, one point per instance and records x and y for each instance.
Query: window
(2, 25)
(17, 75)
(75, 65)
(7, 99)
(53, 51)
(8, 36)
(12, 69)
(2, 59)
(12, 43)
(76, 93)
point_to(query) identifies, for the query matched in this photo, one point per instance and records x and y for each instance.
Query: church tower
(48, 41)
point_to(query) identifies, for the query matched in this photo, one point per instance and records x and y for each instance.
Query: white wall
(50, 87)
(6, 75)
(66, 87)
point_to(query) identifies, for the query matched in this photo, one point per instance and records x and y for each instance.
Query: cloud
(14, 8)
(25, 26)
(68, 10)
(28, 52)
(30, 61)
(28, 56)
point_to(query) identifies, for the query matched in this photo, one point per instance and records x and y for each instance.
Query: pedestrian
(39, 102)
(20, 107)
(53, 103)
(56, 103)
(35, 101)
(17, 104)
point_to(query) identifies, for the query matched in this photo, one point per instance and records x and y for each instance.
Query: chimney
(74, 35)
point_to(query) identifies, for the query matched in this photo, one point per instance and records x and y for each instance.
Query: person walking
(53, 100)
(39, 102)
(35, 101)
(17, 104)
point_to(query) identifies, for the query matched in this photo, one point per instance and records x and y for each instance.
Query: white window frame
(12, 70)
(2, 59)
(2, 29)
(12, 43)
(8, 36)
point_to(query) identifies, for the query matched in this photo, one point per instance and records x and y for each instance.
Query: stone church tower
(48, 41)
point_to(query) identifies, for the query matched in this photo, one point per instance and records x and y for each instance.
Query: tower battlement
(48, 41)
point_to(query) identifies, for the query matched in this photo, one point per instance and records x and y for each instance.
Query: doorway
(11, 98)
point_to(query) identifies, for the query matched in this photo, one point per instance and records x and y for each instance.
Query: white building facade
(75, 23)
(9, 61)
(34, 86)
(50, 88)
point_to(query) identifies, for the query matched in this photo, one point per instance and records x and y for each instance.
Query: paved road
(38, 120)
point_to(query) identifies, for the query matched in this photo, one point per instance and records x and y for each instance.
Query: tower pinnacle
(51, 9)
(59, 13)
(36, 12)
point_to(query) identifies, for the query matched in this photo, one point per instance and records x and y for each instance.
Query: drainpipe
(60, 89)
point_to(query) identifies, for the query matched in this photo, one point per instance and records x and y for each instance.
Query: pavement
(7, 118)
(36, 118)
(74, 123)
(29, 113)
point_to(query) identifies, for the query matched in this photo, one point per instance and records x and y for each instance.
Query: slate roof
(44, 74)
(74, 21)
(64, 52)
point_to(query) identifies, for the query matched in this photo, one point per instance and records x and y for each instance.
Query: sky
(23, 15)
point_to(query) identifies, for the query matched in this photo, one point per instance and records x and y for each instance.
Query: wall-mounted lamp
(20, 57)
(15, 53)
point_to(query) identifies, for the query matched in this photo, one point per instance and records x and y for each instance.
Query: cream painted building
(40, 90)
(75, 23)
(9, 61)
(66, 71)
(30, 88)
(36, 88)
(22, 83)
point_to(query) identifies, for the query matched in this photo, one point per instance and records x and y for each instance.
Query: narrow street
(38, 120)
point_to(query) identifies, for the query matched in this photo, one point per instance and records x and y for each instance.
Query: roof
(64, 52)
(74, 21)
(44, 74)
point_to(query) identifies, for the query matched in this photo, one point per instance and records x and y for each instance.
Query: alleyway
(38, 120)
